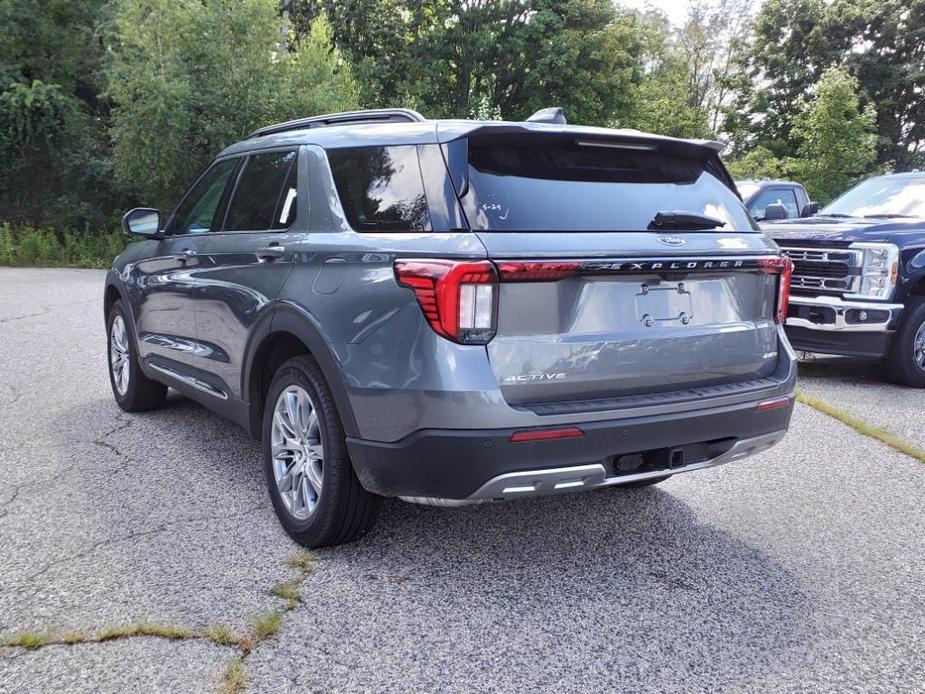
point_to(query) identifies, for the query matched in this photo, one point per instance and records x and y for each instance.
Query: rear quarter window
(381, 188)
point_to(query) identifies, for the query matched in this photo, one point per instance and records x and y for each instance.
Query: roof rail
(377, 115)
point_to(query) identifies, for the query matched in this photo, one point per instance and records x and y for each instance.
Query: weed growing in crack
(235, 678)
(144, 629)
(220, 635)
(26, 639)
(267, 625)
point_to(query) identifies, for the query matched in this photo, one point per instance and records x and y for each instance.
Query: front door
(164, 306)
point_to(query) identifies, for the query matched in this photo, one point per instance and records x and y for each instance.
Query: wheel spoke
(313, 475)
(119, 355)
(297, 452)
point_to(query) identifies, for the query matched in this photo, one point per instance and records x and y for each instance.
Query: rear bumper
(477, 464)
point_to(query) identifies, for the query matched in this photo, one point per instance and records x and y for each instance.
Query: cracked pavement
(799, 570)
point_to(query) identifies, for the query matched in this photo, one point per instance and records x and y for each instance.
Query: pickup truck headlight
(878, 271)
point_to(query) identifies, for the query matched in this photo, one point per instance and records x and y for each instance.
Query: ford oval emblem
(671, 241)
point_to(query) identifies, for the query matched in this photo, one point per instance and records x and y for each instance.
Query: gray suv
(457, 311)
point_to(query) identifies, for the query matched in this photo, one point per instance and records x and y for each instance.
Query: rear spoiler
(454, 139)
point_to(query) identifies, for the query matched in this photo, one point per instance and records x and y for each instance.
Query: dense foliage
(109, 103)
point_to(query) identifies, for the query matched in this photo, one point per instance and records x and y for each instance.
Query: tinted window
(263, 187)
(380, 188)
(568, 185)
(196, 213)
(785, 196)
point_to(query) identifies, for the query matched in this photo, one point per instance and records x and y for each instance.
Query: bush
(31, 247)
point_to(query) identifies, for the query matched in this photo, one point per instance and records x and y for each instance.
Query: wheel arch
(287, 332)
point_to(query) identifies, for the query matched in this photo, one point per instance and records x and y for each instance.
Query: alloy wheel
(298, 452)
(918, 347)
(119, 355)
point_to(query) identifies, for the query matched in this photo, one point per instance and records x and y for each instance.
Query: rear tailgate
(582, 325)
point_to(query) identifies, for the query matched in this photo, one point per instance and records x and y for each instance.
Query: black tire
(141, 393)
(901, 364)
(344, 511)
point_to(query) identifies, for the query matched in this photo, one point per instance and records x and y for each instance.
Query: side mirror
(142, 221)
(809, 209)
(775, 211)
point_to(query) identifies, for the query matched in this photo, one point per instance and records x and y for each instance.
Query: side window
(196, 213)
(265, 196)
(380, 188)
(785, 196)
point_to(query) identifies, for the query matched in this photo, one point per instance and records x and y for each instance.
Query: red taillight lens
(512, 271)
(782, 266)
(459, 299)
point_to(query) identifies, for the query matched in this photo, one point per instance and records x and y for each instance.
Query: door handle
(271, 252)
(185, 255)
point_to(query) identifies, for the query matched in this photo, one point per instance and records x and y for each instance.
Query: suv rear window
(380, 188)
(540, 184)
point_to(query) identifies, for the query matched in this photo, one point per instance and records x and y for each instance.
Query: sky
(675, 9)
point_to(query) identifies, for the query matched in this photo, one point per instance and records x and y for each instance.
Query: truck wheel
(134, 392)
(314, 490)
(906, 362)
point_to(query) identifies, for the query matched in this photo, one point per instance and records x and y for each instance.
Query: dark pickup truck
(858, 285)
(775, 200)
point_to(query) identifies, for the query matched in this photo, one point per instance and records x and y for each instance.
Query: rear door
(594, 303)
(246, 262)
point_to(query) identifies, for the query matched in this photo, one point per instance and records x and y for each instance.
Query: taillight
(783, 266)
(459, 299)
(537, 271)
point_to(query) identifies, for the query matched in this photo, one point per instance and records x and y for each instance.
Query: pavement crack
(103, 443)
(862, 427)
(45, 311)
(163, 527)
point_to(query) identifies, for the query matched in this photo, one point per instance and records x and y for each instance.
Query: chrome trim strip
(514, 485)
(840, 306)
(190, 381)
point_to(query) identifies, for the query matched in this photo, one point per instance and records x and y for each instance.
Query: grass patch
(288, 590)
(267, 625)
(26, 639)
(234, 680)
(72, 638)
(221, 635)
(143, 629)
(862, 427)
(31, 247)
(303, 561)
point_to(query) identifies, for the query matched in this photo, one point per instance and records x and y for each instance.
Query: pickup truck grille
(829, 271)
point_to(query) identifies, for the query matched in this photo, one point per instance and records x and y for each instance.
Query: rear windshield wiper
(888, 215)
(684, 220)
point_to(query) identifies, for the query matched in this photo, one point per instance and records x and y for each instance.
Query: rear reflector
(775, 404)
(546, 434)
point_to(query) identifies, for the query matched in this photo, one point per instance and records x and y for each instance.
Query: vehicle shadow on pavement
(817, 366)
(608, 586)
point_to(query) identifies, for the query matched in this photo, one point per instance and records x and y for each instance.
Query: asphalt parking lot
(799, 570)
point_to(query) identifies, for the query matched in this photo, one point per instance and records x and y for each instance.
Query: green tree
(796, 41)
(837, 144)
(52, 123)
(188, 78)
(759, 163)
(452, 58)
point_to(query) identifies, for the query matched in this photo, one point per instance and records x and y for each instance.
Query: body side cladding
(285, 317)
